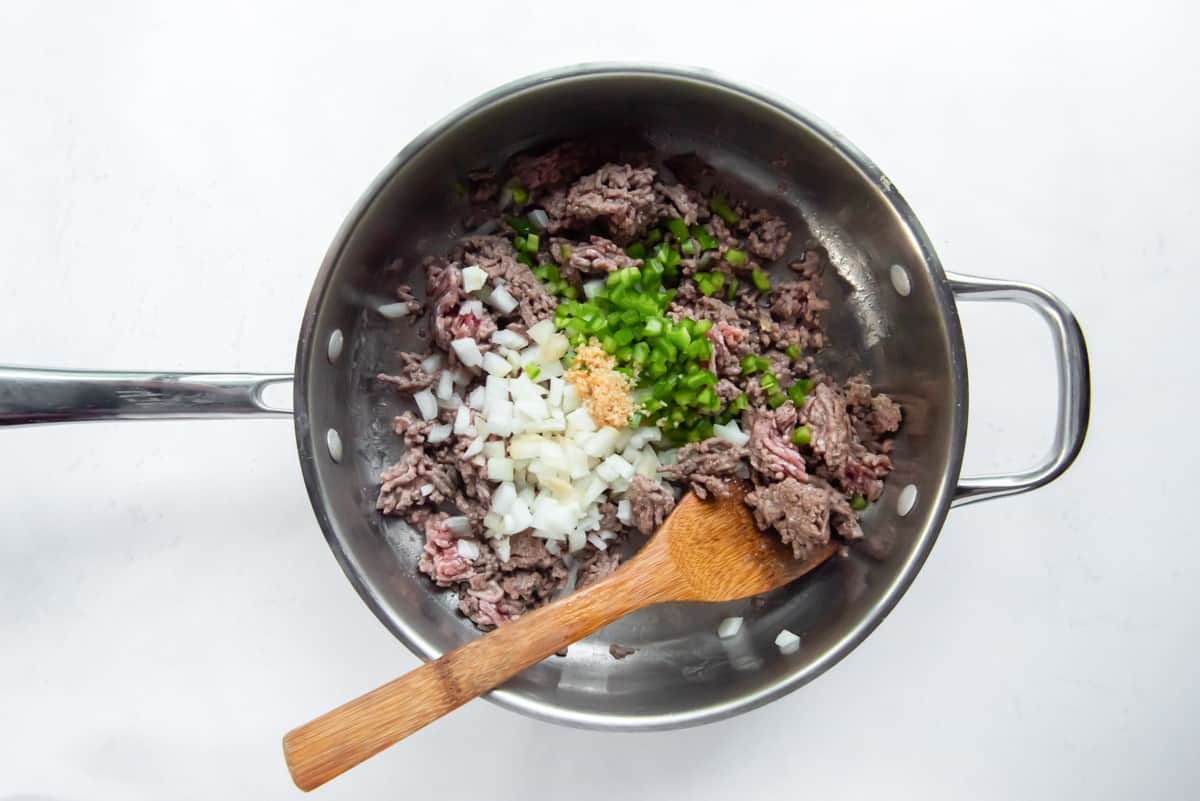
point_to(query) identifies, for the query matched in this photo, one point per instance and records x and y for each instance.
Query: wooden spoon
(705, 551)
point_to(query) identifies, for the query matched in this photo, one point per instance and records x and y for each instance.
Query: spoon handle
(342, 738)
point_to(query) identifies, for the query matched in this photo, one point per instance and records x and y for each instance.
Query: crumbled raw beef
(769, 236)
(597, 256)
(798, 511)
(400, 484)
(620, 651)
(683, 202)
(707, 466)
(650, 503)
(410, 377)
(772, 455)
(495, 256)
(596, 565)
(621, 195)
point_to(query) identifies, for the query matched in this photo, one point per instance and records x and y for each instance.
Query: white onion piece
(503, 548)
(788, 643)
(439, 434)
(494, 448)
(432, 363)
(426, 404)
(541, 331)
(474, 448)
(503, 498)
(731, 432)
(625, 511)
(445, 385)
(614, 468)
(495, 364)
(576, 541)
(539, 219)
(467, 351)
(592, 288)
(500, 469)
(597, 542)
(468, 549)
(555, 395)
(554, 348)
(497, 391)
(471, 307)
(509, 339)
(476, 398)
(393, 311)
(458, 524)
(729, 627)
(462, 376)
(600, 444)
(462, 421)
(473, 279)
(426, 490)
(502, 300)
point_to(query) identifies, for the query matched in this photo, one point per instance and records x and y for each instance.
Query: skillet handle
(1074, 387)
(32, 395)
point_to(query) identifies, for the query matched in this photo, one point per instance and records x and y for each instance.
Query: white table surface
(169, 180)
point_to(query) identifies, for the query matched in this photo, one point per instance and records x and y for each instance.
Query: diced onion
(731, 432)
(502, 548)
(474, 448)
(439, 433)
(597, 543)
(500, 469)
(729, 627)
(473, 279)
(541, 331)
(467, 351)
(502, 300)
(625, 511)
(393, 311)
(426, 490)
(432, 363)
(592, 288)
(788, 643)
(468, 549)
(476, 398)
(503, 498)
(509, 339)
(445, 386)
(426, 404)
(462, 421)
(495, 364)
(458, 524)
(554, 348)
(539, 219)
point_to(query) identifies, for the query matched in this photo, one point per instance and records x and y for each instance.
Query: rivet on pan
(335, 345)
(900, 280)
(907, 500)
(334, 442)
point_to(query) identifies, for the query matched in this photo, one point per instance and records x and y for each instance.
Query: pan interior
(909, 346)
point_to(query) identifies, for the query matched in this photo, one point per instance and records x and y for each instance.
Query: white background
(169, 180)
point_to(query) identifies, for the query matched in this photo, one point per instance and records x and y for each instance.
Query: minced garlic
(607, 394)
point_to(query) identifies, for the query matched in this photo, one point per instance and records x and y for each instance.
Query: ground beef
(772, 455)
(825, 415)
(620, 195)
(404, 294)
(707, 466)
(596, 565)
(410, 378)
(559, 164)
(620, 651)
(414, 430)
(400, 484)
(598, 256)
(649, 504)
(769, 236)
(798, 511)
(680, 201)
(482, 185)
